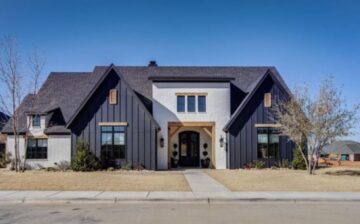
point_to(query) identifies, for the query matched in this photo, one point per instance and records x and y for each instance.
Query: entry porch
(191, 144)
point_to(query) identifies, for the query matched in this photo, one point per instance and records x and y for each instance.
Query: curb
(177, 200)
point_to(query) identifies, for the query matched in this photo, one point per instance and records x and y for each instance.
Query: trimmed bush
(259, 164)
(298, 162)
(84, 160)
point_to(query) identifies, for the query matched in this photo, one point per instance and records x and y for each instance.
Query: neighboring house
(3, 120)
(349, 149)
(141, 114)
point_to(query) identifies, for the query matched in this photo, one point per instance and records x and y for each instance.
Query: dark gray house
(151, 115)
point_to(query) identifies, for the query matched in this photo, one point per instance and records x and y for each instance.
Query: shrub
(284, 163)
(63, 165)
(84, 160)
(126, 165)
(259, 164)
(4, 159)
(298, 162)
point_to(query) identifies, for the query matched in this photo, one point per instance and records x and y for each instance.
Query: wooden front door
(189, 149)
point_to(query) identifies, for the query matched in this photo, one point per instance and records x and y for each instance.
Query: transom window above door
(191, 102)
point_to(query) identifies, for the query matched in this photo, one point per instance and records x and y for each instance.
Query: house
(142, 114)
(350, 150)
(3, 119)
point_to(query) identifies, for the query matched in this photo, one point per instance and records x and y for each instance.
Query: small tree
(298, 162)
(12, 81)
(315, 121)
(84, 160)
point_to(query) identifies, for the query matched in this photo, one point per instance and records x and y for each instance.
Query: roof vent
(152, 64)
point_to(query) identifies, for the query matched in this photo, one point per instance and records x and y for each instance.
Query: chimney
(152, 64)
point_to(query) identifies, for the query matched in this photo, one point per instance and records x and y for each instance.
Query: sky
(305, 40)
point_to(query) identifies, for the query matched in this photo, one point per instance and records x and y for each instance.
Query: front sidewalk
(114, 197)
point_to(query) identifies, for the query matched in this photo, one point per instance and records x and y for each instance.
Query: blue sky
(306, 40)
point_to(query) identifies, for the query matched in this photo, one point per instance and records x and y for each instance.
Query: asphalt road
(161, 212)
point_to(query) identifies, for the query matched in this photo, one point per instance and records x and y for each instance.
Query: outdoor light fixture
(221, 141)
(162, 142)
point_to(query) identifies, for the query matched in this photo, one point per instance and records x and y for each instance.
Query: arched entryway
(189, 149)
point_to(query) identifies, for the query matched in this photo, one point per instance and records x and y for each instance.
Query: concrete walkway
(202, 185)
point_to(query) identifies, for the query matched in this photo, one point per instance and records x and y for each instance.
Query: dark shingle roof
(343, 147)
(67, 90)
(3, 119)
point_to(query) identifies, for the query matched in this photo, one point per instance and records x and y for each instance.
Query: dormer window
(35, 120)
(113, 97)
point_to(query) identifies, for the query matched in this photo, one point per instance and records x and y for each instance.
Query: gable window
(268, 143)
(191, 103)
(113, 97)
(180, 103)
(267, 100)
(112, 143)
(36, 149)
(35, 119)
(201, 103)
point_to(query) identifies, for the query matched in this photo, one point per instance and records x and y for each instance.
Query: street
(177, 212)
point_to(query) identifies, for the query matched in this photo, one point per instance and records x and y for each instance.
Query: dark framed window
(36, 120)
(180, 103)
(113, 144)
(201, 103)
(191, 103)
(268, 143)
(37, 149)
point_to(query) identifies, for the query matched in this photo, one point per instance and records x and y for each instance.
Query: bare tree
(36, 67)
(313, 122)
(12, 78)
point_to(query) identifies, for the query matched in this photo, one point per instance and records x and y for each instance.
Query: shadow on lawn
(344, 173)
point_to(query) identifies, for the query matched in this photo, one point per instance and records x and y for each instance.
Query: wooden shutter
(113, 96)
(267, 100)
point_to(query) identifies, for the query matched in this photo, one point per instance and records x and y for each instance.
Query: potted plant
(174, 159)
(205, 162)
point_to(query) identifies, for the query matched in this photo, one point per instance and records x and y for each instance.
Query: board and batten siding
(141, 131)
(242, 135)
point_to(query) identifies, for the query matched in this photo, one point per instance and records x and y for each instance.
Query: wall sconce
(162, 142)
(222, 141)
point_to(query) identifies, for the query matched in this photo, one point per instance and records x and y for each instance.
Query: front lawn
(97, 181)
(329, 179)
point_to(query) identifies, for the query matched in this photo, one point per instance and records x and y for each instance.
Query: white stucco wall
(217, 110)
(59, 149)
(37, 131)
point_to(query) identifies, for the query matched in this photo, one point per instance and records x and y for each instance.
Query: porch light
(162, 142)
(221, 141)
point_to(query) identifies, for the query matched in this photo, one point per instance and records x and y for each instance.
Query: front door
(189, 149)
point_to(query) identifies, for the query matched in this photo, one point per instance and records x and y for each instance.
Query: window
(180, 103)
(113, 96)
(267, 100)
(191, 103)
(201, 103)
(36, 149)
(36, 120)
(268, 143)
(112, 143)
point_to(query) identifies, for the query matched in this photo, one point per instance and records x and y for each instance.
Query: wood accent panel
(207, 132)
(113, 124)
(191, 124)
(267, 125)
(191, 94)
(267, 100)
(113, 96)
